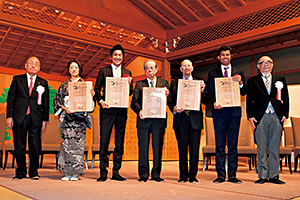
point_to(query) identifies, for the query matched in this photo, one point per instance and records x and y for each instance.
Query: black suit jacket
(100, 84)
(196, 117)
(258, 97)
(137, 102)
(216, 73)
(18, 100)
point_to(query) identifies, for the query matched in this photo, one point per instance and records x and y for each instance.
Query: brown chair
(210, 148)
(50, 139)
(296, 133)
(286, 151)
(96, 141)
(2, 135)
(246, 146)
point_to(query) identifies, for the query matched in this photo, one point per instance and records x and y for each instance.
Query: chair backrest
(288, 136)
(245, 133)
(52, 133)
(96, 130)
(210, 131)
(2, 127)
(296, 130)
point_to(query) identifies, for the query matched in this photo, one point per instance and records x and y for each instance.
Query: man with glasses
(267, 110)
(28, 111)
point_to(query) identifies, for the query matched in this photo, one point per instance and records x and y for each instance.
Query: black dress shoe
(157, 179)
(19, 177)
(118, 178)
(35, 177)
(219, 180)
(102, 178)
(182, 180)
(276, 181)
(234, 180)
(143, 179)
(261, 181)
(193, 179)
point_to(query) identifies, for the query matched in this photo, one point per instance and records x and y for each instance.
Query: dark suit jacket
(234, 111)
(100, 84)
(196, 117)
(18, 100)
(258, 97)
(137, 102)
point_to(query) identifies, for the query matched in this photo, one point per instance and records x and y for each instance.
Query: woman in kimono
(73, 128)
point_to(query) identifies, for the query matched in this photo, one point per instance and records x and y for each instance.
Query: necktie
(118, 73)
(226, 73)
(267, 82)
(30, 91)
(151, 83)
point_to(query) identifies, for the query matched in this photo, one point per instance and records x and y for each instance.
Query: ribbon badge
(279, 86)
(40, 89)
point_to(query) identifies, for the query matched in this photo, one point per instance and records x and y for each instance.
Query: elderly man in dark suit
(226, 120)
(145, 126)
(267, 110)
(28, 111)
(187, 126)
(112, 116)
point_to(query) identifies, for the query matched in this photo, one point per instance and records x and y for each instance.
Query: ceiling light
(10, 7)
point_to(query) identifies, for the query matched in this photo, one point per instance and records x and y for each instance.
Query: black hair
(117, 47)
(224, 48)
(78, 63)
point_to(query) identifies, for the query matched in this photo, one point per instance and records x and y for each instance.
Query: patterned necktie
(226, 73)
(30, 91)
(151, 83)
(267, 82)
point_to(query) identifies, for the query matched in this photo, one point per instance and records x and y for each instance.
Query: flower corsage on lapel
(40, 90)
(279, 86)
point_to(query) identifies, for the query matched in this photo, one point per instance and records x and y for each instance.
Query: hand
(283, 120)
(69, 111)
(252, 120)
(202, 86)
(237, 78)
(177, 110)
(9, 122)
(167, 91)
(141, 114)
(92, 92)
(104, 104)
(44, 125)
(217, 106)
(129, 79)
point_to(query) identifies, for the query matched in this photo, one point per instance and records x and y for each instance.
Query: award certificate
(154, 102)
(80, 98)
(227, 92)
(117, 92)
(189, 94)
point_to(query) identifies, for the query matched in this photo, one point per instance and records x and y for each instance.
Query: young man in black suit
(226, 120)
(28, 111)
(145, 126)
(112, 116)
(267, 110)
(187, 126)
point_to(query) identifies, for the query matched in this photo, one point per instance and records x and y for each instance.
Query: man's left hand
(129, 79)
(202, 86)
(44, 125)
(283, 120)
(167, 92)
(237, 78)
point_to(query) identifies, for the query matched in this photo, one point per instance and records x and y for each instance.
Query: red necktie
(30, 91)
(226, 73)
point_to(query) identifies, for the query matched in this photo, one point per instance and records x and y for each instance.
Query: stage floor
(51, 187)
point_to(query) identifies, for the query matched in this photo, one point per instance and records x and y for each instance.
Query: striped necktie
(226, 73)
(267, 82)
(151, 83)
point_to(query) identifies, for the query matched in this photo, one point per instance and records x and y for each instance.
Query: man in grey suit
(267, 110)
(145, 126)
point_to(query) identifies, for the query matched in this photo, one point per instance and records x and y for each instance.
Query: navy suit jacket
(18, 100)
(233, 111)
(258, 98)
(137, 101)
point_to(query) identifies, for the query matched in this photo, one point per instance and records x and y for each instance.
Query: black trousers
(107, 120)
(34, 144)
(188, 138)
(157, 145)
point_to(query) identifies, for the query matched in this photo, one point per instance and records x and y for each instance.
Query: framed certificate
(188, 94)
(117, 92)
(154, 102)
(227, 92)
(80, 98)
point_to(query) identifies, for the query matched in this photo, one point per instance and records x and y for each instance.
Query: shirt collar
(115, 67)
(28, 76)
(154, 81)
(189, 78)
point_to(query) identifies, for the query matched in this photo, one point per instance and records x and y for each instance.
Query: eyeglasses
(265, 62)
(36, 64)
